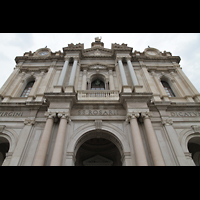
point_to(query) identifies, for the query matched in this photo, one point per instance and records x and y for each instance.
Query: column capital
(50, 115)
(153, 73)
(110, 72)
(146, 115)
(119, 57)
(64, 115)
(75, 57)
(132, 115)
(29, 122)
(67, 57)
(128, 58)
(167, 122)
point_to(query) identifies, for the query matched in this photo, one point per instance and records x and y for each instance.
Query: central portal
(98, 151)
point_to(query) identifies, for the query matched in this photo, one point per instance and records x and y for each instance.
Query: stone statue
(97, 39)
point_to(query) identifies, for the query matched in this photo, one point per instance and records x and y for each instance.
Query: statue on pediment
(97, 39)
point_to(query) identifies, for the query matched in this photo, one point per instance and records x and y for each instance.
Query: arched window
(97, 85)
(168, 89)
(27, 89)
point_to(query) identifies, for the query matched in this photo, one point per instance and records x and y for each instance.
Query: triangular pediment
(97, 51)
(98, 161)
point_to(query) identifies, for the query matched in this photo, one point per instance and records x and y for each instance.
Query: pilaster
(176, 147)
(23, 138)
(150, 82)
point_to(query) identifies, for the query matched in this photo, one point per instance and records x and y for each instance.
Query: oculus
(43, 53)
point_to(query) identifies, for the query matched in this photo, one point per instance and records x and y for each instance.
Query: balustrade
(98, 94)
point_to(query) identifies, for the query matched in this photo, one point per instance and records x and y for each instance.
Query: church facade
(99, 107)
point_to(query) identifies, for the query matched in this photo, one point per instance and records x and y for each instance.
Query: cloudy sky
(185, 45)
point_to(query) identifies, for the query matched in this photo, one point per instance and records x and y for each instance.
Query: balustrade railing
(98, 95)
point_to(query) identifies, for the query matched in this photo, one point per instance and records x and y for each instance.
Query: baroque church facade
(99, 107)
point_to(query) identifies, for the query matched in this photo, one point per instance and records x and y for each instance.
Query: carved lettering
(98, 112)
(90, 112)
(185, 114)
(95, 112)
(11, 114)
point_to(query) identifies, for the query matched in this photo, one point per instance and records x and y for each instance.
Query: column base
(165, 98)
(58, 89)
(197, 98)
(69, 89)
(189, 99)
(126, 89)
(156, 97)
(30, 98)
(39, 98)
(138, 88)
(6, 99)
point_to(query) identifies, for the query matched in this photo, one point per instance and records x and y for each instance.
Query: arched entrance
(98, 148)
(4, 147)
(194, 149)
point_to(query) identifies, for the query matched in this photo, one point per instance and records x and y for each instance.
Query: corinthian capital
(64, 115)
(167, 121)
(146, 115)
(132, 115)
(50, 115)
(29, 121)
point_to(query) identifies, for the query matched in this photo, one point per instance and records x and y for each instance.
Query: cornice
(24, 58)
(170, 58)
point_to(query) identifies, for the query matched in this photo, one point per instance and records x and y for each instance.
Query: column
(187, 82)
(153, 142)
(56, 159)
(122, 72)
(132, 72)
(111, 80)
(15, 87)
(184, 90)
(137, 140)
(9, 81)
(44, 141)
(63, 72)
(149, 82)
(44, 83)
(73, 72)
(59, 86)
(84, 79)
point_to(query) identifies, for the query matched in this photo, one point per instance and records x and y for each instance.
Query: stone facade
(99, 106)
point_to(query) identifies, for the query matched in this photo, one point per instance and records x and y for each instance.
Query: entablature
(98, 66)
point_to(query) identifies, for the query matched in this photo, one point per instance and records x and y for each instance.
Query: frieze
(11, 114)
(98, 112)
(185, 114)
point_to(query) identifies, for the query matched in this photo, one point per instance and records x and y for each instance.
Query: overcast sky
(185, 45)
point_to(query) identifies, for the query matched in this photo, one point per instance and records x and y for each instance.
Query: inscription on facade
(11, 114)
(98, 112)
(185, 114)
